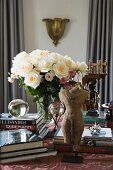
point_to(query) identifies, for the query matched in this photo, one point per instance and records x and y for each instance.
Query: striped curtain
(11, 43)
(100, 43)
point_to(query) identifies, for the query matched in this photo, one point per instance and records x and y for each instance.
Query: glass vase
(43, 111)
(56, 110)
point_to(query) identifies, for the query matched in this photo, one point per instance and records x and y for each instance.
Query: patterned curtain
(11, 43)
(100, 43)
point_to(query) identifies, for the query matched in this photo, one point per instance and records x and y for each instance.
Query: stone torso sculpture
(72, 124)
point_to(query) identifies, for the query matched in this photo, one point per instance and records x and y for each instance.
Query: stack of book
(22, 144)
(102, 144)
(32, 122)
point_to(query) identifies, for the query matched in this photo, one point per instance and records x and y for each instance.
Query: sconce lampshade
(55, 28)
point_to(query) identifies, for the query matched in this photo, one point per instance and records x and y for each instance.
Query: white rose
(15, 71)
(82, 67)
(61, 70)
(35, 52)
(21, 63)
(45, 64)
(35, 57)
(69, 62)
(35, 60)
(19, 58)
(77, 66)
(32, 79)
(25, 68)
(49, 76)
(44, 53)
(39, 53)
(52, 72)
(22, 67)
(56, 57)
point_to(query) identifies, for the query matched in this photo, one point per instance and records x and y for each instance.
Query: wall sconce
(55, 28)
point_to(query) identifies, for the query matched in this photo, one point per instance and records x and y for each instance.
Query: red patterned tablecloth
(91, 162)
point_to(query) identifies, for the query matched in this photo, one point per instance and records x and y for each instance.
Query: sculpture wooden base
(72, 159)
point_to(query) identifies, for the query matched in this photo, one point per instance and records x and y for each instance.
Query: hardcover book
(27, 157)
(84, 149)
(32, 128)
(99, 146)
(23, 152)
(105, 134)
(28, 119)
(86, 142)
(13, 140)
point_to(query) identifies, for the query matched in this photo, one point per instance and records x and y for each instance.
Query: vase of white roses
(42, 74)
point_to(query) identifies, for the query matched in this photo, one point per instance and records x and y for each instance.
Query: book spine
(43, 133)
(17, 122)
(91, 121)
(41, 127)
(40, 123)
(32, 128)
(99, 150)
(11, 121)
(27, 157)
(23, 152)
(104, 143)
(84, 149)
(87, 143)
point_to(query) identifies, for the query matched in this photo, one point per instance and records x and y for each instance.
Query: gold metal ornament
(55, 28)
